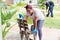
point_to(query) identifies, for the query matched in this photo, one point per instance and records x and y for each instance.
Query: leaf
(7, 24)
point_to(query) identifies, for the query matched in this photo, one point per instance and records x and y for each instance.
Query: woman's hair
(28, 6)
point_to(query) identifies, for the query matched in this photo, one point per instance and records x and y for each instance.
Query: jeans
(50, 11)
(39, 27)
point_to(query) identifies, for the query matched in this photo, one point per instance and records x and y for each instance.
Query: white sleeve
(36, 14)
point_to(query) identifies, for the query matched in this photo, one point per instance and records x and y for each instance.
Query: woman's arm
(35, 22)
(26, 17)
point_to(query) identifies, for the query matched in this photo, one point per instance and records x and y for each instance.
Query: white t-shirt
(37, 13)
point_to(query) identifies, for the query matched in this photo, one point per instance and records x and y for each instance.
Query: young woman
(38, 18)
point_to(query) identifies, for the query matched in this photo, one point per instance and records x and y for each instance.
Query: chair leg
(21, 35)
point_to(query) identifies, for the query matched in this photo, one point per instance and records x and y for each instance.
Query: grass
(53, 22)
(57, 8)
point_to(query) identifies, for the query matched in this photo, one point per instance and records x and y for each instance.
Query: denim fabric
(50, 11)
(39, 27)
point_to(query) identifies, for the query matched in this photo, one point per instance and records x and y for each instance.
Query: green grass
(53, 22)
(57, 8)
(30, 21)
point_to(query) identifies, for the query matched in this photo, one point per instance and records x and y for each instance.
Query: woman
(38, 18)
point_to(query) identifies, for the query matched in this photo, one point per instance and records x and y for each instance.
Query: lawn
(57, 8)
(53, 22)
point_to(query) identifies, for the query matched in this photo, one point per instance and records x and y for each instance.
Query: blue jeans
(39, 27)
(50, 11)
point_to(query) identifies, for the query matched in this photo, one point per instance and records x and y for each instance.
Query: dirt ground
(48, 34)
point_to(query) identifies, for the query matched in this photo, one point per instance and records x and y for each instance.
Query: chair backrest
(22, 23)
